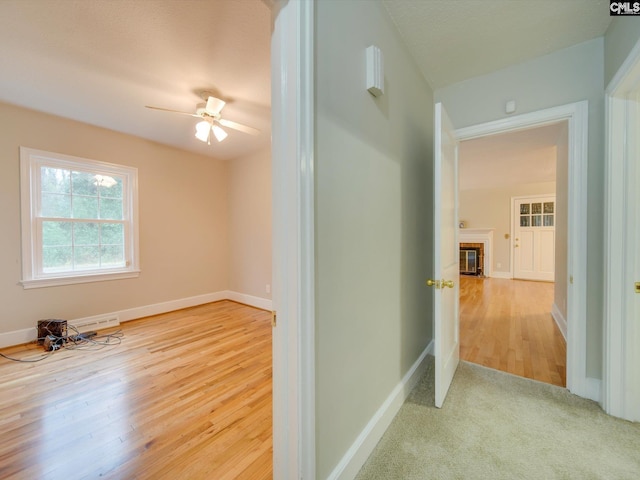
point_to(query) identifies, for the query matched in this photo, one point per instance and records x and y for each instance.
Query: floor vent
(98, 322)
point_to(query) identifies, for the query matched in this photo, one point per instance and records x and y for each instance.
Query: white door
(446, 254)
(534, 246)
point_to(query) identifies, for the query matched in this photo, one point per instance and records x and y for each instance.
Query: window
(79, 220)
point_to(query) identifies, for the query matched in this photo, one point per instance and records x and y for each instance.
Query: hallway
(507, 325)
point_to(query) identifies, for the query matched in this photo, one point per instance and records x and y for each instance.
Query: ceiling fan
(212, 121)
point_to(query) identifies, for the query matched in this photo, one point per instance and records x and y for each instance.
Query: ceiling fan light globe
(214, 106)
(202, 131)
(219, 133)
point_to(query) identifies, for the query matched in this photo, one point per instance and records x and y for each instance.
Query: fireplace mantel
(484, 236)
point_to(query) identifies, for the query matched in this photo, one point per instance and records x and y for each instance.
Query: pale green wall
(621, 37)
(373, 222)
(570, 75)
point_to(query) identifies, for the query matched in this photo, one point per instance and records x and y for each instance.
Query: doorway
(508, 187)
(621, 384)
(573, 280)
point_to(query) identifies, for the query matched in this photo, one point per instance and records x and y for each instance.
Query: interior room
(238, 208)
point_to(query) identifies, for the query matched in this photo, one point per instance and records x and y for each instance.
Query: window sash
(35, 273)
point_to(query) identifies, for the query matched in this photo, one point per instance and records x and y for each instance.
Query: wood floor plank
(507, 325)
(185, 393)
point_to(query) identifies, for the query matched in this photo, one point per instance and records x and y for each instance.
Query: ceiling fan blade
(239, 127)
(173, 111)
(214, 106)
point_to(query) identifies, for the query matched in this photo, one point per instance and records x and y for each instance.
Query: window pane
(524, 208)
(85, 207)
(548, 220)
(56, 234)
(56, 205)
(86, 257)
(548, 207)
(110, 187)
(55, 180)
(84, 183)
(111, 209)
(536, 220)
(86, 234)
(113, 256)
(536, 208)
(112, 234)
(56, 258)
(524, 221)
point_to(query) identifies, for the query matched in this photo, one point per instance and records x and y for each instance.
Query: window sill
(89, 278)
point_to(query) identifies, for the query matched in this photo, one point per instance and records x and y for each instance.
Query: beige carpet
(498, 426)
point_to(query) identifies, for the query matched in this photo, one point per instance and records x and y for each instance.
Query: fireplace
(481, 240)
(472, 259)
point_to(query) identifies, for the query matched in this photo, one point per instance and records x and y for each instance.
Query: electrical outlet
(267, 288)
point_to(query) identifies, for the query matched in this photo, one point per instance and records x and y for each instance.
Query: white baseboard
(27, 335)
(506, 275)
(560, 320)
(354, 459)
(262, 303)
(18, 337)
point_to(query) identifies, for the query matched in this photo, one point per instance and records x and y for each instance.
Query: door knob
(447, 283)
(515, 246)
(433, 283)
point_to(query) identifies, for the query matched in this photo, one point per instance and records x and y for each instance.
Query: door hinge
(274, 318)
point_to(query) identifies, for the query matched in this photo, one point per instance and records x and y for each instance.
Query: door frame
(621, 395)
(576, 114)
(512, 270)
(293, 274)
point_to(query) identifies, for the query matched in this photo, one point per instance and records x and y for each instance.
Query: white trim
(560, 320)
(506, 275)
(33, 274)
(620, 391)
(577, 116)
(27, 335)
(18, 337)
(292, 127)
(357, 454)
(257, 302)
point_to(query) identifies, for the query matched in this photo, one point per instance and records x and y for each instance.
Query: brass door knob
(447, 283)
(433, 283)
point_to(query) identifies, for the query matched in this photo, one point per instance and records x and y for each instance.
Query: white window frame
(31, 160)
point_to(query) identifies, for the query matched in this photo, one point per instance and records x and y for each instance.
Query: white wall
(373, 222)
(250, 224)
(560, 78)
(491, 208)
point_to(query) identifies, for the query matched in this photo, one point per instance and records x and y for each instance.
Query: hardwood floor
(186, 395)
(507, 325)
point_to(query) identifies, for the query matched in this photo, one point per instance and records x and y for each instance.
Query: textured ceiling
(101, 62)
(506, 159)
(453, 40)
